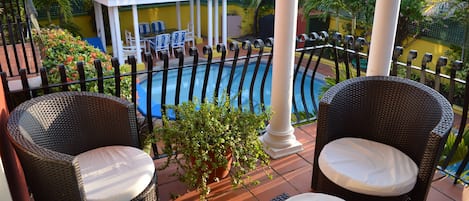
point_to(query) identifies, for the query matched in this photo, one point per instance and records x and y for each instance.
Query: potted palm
(210, 140)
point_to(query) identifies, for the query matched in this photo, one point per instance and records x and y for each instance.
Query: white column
(279, 140)
(4, 189)
(178, 11)
(209, 23)
(191, 17)
(382, 37)
(136, 33)
(115, 52)
(98, 13)
(217, 16)
(199, 32)
(224, 30)
(117, 32)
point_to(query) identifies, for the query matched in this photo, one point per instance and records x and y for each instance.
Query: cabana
(114, 22)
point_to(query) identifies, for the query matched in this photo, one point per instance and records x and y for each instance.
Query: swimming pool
(198, 85)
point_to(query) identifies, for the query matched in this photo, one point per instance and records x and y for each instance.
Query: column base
(275, 153)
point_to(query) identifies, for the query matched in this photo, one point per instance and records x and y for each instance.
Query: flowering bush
(61, 47)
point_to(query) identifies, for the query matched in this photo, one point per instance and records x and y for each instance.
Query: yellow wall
(333, 25)
(167, 13)
(85, 24)
(422, 45)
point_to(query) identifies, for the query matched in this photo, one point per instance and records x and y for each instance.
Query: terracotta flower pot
(220, 172)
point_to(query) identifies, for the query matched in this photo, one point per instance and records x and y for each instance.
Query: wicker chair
(49, 132)
(404, 114)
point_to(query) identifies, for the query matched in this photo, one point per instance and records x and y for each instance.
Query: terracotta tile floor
(291, 175)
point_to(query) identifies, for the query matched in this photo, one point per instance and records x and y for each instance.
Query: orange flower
(69, 58)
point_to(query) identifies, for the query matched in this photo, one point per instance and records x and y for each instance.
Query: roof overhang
(112, 3)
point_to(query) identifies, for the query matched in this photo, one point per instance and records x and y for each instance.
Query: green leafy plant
(461, 150)
(59, 46)
(204, 137)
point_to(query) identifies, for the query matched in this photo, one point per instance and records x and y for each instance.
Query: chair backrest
(190, 30)
(178, 38)
(163, 41)
(158, 26)
(48, 131)
(129, 50)
(128, 37)
(144, 28)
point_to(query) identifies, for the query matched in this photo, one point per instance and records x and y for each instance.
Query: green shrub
(59, 46)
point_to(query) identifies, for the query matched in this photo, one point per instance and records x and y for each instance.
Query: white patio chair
(178, 39)
(190, 38)
(128, 50)
(157, 26)
(130, 41)
(160, 43)
(144, 28)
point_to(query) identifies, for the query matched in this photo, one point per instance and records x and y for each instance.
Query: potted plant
(208, 137)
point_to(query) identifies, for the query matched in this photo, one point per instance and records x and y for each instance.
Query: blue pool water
(186, 76)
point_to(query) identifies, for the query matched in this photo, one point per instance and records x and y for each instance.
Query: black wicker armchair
(50, 133)
(401, 113)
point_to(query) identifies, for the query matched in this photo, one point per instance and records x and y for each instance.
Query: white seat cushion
(115, 172)
(314, 197)
(368, 167)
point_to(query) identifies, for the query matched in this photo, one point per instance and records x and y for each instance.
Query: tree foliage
(362, 10)
(65, 8)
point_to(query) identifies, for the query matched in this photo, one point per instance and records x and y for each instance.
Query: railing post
(336, 38)
(423, 72)
(410, 57)
(457, 65)
(359, 43)
(348, 43)
(442, 61)
(279, 140)
(398, 50)
(269, 42)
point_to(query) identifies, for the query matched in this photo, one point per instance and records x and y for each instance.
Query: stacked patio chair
(157, 27)
(178, 39)
(81, 146)
(379, 138)
(144, 28)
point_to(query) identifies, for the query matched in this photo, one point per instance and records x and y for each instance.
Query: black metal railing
(17, 49)
(245, 73)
